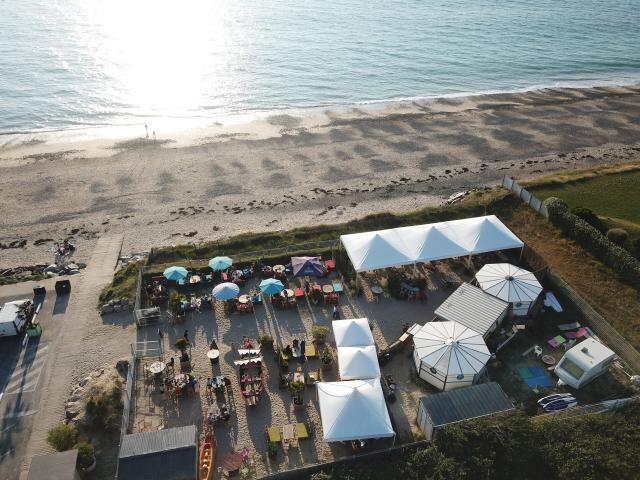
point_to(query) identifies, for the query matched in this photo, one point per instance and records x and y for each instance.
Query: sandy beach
(286, 170)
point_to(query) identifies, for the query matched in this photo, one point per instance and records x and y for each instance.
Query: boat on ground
(206, 458)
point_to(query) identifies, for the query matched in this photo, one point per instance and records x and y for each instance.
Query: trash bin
(63, 287)
(39, 290)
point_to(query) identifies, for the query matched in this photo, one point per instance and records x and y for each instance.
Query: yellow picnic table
(301, 430)
(310, 350)
(274, 434)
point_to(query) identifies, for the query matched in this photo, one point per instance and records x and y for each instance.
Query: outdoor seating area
(261, 390)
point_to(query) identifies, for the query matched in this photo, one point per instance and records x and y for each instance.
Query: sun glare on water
(160, 58)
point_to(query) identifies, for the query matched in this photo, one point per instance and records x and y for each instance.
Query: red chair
(298, 292)
(224, 276)
(330, 264)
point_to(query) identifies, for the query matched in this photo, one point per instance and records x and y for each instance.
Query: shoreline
(289, 171)
(94, 141)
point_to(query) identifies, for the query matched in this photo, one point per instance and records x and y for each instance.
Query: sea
(92, 64)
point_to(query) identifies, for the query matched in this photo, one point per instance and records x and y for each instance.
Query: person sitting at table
(287, 351)
(172, 362)
(209, 385)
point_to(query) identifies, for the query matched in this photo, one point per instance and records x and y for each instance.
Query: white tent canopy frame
(352, 332)
(512, 284)
(430, 242)
(358, 363)
(449, 355)
(353, 410)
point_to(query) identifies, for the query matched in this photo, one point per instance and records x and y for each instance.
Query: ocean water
(73, 64)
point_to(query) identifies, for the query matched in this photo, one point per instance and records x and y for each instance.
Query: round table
(278, 268)
(548, 360)
(327, 288)
(182, 380)
(195, 279)
(157, 367)
(232, 461)
(288, 293)
(237, 274)
(214, 355)
(243, 298)
(376, 290)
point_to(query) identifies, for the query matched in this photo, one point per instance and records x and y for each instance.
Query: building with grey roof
(170, 454)
(57, 466)
(453, 406)
(473, 308)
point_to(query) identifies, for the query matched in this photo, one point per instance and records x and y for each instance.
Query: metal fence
(128, 396)
(600, 407)
(598, 324)
(526, 196)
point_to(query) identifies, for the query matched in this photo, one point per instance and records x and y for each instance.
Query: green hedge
(614, 256)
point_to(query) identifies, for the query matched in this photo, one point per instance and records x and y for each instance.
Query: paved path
(34, 395)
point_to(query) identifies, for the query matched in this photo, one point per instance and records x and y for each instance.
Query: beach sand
(287, 170)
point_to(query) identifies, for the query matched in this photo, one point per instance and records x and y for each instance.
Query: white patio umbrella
(512, 284)
(449, 355)
(226, 291)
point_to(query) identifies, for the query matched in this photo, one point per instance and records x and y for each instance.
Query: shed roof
(57, 466)
(466, 403)
(163, 455)
(473, 308)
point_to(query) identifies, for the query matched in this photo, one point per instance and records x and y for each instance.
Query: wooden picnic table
(288, 433)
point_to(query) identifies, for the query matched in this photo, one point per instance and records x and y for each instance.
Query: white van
(12, 318)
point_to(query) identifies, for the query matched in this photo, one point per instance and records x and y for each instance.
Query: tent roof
(358, 362)
(473, 308)
(353, 410)
(451, 348)
(423, 243)
(352, 332)
(372, 250)
(509, 283)
(466, 403)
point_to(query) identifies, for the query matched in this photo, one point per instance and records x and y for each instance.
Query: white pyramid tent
(353, 410)
(449, 355)
(484, 234)
(371, 250)
(358, 363)
(512, 284)
(352, 332)
(431, 242)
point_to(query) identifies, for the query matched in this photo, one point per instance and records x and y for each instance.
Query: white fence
(526, 196)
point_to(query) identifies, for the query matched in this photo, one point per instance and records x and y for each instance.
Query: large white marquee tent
(512, 284)
(449, 355)
(430, 242)
(353, 410)
(358, 363)
(352, 332)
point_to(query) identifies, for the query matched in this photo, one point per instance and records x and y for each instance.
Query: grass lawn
(616, 196)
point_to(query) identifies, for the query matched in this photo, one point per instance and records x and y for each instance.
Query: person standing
(146, 129)
(303, 344)
(186, 335)
(160, 335)
(336, 312)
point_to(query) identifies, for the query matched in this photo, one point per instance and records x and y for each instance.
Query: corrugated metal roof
(466, 403)
(473, 308)
(169, 454)
(57, 466)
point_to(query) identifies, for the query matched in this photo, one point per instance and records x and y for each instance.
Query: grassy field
(615, 195)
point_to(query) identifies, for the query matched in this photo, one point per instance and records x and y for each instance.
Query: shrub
(588, 216)
(265, 340)
(635, 246)
(103, 407)
(63, 437)
(86, 454)
(612, 255)
(319, 333)
(618, 236)
(555, 206)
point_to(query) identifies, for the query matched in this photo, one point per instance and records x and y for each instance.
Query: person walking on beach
(160, 335)
(186, 335)
(146, 129)
(336, 312)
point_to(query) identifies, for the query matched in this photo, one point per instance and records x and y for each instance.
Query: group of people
(223, 416)
(297, 350)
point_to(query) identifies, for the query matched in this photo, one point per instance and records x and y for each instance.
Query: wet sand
(286, 171)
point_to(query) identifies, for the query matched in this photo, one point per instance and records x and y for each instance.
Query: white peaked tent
(353, 410)
(511, 284)
(379, 249)
(352, 332)
(449, 355)
(424, 243)
(358, 363)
